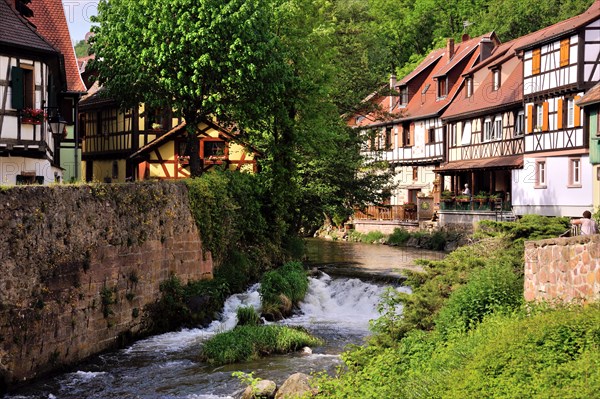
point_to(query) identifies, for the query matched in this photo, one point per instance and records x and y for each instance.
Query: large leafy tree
(200, 57)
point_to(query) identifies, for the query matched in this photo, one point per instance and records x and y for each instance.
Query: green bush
(399, 236)
(496, 287)
(530, 353)
(247, 316)
(246, 343)
(289, 283)
(372, 237)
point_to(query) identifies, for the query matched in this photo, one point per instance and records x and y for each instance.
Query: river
(337, 308)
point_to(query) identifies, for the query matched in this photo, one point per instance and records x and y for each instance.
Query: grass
(245, 343)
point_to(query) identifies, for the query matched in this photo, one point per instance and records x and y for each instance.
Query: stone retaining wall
(81, 264)
(563, 269)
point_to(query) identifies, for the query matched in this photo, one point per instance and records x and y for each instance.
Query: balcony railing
(389, 212)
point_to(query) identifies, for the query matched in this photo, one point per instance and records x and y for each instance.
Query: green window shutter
(18, 98)
(593, 122)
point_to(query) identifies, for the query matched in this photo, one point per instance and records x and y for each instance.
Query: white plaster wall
(557, 199)
(10, 167)
(403, 180)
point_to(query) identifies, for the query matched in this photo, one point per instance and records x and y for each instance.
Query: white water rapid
(167, 366)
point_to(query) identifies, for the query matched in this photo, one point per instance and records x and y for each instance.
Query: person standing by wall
(588, 225)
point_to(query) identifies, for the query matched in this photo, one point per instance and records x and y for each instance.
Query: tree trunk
(193, 147)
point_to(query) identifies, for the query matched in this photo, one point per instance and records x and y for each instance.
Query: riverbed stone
(264, 389)
(297, 385)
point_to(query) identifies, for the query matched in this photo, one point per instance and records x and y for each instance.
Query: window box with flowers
(183, 159)
(32, 116)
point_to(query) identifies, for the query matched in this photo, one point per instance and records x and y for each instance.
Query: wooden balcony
(388, 212)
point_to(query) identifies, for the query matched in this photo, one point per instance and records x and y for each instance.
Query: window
(536, 61)
(442, 87)
(406, 136)
(115, 170)
(23, 87)
(497, 133)
(570, 112)
(415, 173)
(540, 174)
(488, 130)
(539, 117)
(452, 135)
(520, 123)
(157, 119)
(469, 84)
(214, 149)
(575, 172)
(431, 135)
(403, 95)
(388, 138)
(496, 79)
(565, 48)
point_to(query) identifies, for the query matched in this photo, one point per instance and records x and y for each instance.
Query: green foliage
(399, 236)
(188, 305)
(533, 353)
(247, 316)
(245, 343)
(495, 288)
(82, 49)
(290, 280)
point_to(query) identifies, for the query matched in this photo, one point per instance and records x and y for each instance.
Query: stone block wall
(563, 269)
(80, 265)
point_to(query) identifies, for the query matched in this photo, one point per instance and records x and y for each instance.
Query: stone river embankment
(80, 265)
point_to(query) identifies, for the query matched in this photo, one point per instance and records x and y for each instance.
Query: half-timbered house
(39, 84)
(560, 64)
(406, 129)
(167, 156)
(484, 138)
(146, 143)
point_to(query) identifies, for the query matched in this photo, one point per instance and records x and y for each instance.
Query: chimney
(486, 47)
(393, 93)
(450, 48)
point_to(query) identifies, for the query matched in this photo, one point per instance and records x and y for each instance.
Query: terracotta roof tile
(15, 31)
(591, 97)
(49, 17)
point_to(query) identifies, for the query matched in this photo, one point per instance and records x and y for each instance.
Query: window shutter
(412, 134)
(530, 118)
(426, 136)
(536, 61)
(564, 52)
(577, 111)
(559, 113)
(545, 117)
(16, 84)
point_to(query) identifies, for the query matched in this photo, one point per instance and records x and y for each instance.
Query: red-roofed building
(590, 103)
(406, 129)
(40, 83)
(560, 64)
(484, 139)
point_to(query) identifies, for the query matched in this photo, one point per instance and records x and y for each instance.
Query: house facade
(149, 143)
(410, 134)
(484, 138)
(560, 64)
(39, 84)
(590, 103)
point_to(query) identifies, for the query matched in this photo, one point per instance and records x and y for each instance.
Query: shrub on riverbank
(283, 288)
(533, 353)
(435, 240)
(465, 331)
(245, 343)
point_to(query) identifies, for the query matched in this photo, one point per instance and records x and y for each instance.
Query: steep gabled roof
(562, 28)
(591, 97)
(16, 32)
(49, 18)
(428, 62)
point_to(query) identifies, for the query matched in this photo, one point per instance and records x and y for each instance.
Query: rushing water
(167, 366)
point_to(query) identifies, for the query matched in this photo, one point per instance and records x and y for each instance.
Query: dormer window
(442, 87)
(403, 95)
(469, 84)
(496, 79)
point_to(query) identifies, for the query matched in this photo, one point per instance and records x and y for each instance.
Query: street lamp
(57, 124)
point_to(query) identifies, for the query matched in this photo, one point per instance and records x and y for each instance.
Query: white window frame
(570, 112)
(497, 132)
(574, 172)
(541, 172)
(496, 79)
(539, 116)
(469, 84)
(488, 129)
(520, 123)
